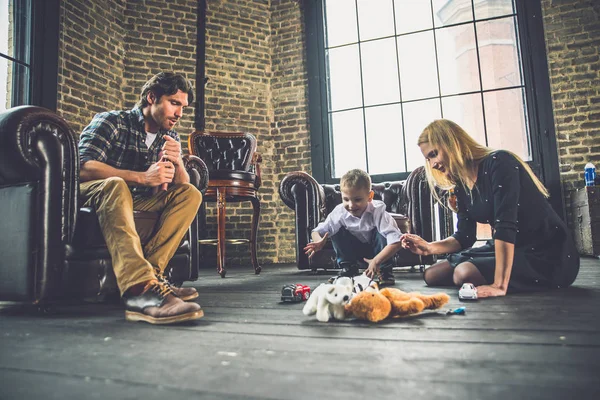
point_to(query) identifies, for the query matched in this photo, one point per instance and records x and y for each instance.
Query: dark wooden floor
(249, 345)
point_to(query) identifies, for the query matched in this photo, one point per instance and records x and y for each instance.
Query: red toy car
(295, 293)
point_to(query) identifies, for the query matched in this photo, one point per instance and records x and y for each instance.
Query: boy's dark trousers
(351, 250)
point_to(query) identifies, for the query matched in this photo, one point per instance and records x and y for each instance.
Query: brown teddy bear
(376, 305)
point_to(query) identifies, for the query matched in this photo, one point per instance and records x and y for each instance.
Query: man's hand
(415, 244)
(490, 291)
(315, 246)
(159, 173)
(171, 151)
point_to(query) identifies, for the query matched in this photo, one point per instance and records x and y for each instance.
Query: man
(131, 160)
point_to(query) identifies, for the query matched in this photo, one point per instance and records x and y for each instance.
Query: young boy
(360, 229)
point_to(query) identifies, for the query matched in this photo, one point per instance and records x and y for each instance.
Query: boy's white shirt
(374, 216)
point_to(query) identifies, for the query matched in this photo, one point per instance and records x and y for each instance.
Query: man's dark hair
(165, 83)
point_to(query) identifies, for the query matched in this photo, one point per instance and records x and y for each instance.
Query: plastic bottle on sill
(590, 174)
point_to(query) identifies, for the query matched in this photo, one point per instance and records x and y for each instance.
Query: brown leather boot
(157, 305)
(184, 293)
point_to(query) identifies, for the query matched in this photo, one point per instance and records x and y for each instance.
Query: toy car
(468, 291)
(295, 293)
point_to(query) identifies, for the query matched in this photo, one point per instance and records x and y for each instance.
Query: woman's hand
(315, 246)
(492, 290)
(415, 244)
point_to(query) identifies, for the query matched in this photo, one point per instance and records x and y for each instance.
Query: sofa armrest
(38, 148)
(303, 194)
(197, 171)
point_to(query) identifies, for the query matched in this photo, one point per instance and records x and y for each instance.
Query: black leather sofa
(409, 201)
(50, 248)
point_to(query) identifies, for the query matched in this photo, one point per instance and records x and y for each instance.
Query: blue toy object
(457, 311)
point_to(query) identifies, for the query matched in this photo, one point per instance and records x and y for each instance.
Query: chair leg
(255, 218)
(221, 193)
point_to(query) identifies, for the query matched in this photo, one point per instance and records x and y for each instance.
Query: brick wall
(92, 50)
(255, 59)
(109, 48)
(258, 85)
(572, 29)
(238, 65)
(289, 128)
(160, 36)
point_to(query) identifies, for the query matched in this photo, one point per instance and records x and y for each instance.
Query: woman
(531, 247)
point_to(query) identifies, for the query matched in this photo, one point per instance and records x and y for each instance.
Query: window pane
(418, 71)
(380, 71)
(412, 15)
(448, 12)
(417, 115)
(14, 82)
(340, 16)
(493, 8)
(375, 19)
(384, 139)
(344, 78)
(16, 25)
(498, 54)
(457, 59)
(348, 141)
(505, 120)
(6, 27)
(5, 83)
(467, 111)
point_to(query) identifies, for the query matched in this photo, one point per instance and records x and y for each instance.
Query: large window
(381, 70)
(28, 52)
(15, 53)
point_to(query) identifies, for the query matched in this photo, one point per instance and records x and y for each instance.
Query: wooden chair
(234, 175)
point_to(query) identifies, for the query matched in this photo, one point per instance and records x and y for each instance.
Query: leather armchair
(409, 201)
(51, 249)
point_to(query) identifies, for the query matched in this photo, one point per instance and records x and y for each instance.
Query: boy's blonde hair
(356, 179)
(462, 152)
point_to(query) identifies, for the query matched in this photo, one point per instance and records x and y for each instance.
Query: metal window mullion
(362, 89)
(485, 133)
(324, 93)
(522, 80)
(437, 61)
(14, 60)
(400, 89)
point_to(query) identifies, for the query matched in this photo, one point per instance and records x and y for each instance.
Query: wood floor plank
(249, 345)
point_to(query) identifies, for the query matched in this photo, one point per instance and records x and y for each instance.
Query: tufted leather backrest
(231, 151)
(389, 192)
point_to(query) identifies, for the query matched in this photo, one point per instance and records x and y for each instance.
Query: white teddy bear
(328, 301)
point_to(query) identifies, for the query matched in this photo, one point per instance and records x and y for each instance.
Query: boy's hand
(315, 246)
(373, 269)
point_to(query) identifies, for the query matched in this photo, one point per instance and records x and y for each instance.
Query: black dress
(506, 197)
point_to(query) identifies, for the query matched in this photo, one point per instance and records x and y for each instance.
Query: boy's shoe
(387, 277)
(158, 305)
(348, 269)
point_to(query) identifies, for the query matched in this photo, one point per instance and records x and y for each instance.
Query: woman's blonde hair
(462, 154)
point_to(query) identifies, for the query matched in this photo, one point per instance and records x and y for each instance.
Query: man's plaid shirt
(118, 138)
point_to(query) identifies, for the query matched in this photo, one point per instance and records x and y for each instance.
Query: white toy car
(468, 291)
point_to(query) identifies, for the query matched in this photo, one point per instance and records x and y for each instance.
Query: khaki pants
(114, 206)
